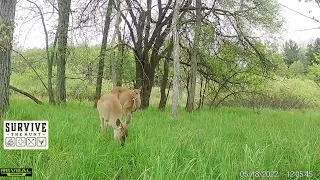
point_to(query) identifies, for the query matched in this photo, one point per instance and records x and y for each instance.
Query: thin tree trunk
(7, 15)
(201, 90)
(204, 91)
(164, 82)
(121, 48)
(50, 88)
(139, 70)
(120, 60)
(64, 8)
(50, 67)
(187, 87)
(103, 52)
(169, 88)
(113, 60)
(193, 75)
(176, 61)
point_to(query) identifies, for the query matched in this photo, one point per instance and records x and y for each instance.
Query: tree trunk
(139, 70)
(50, 88)
(64, 8)
(201, 92)
(7, 15)
(193, 75)
(121, 48)
(103, 52)
(114, 68)
(120, 59)
(164, 82)
(176, 61)
(147, 37)
(187, 87)
(50, 67)
(146, 93)
(144, 78)
(204, 91)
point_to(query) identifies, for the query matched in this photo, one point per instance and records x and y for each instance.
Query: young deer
(110, 112)
(129, 99)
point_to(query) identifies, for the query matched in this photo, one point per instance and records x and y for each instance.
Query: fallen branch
(26, 94)
(30, 65)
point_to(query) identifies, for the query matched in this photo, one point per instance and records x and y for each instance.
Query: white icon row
(29, 141)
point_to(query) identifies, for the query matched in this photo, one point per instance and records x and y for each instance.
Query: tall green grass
(208, 144)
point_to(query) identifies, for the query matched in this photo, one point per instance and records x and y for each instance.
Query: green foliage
(293, 93)
(280, 67)
(83, 58)
(35, 57)
(313, 50)
(256, 14)
(84, 89)
(281, 93)
(291, 52)
(29, 82)
(236, 71)
(314, 73)
(207, 144)
(81, 70)
(297, 68)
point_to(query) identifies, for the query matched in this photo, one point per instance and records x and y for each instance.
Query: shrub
(281, 93)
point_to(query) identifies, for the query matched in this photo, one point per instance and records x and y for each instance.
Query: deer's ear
(118, 122)
(140, 88)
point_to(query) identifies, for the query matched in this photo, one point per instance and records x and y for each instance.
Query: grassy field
(209, 144)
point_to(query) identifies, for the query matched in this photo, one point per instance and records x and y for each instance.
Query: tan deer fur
(129, 99)
(110, 111)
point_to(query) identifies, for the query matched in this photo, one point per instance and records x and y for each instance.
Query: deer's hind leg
(131, 114)
(105, 126)
(102, 122)
(125, 113)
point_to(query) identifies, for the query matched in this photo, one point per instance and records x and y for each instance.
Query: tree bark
(63, 24)
(114, 68)
(121, 48)
(176, 61)
(120, 60)
(7, 15)
(164, 82)
(50, 68)
(194, 57)
(49, 60)
(202, 90)
(103, 52)
(145, 79)
(147, 38)
(26, 94)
